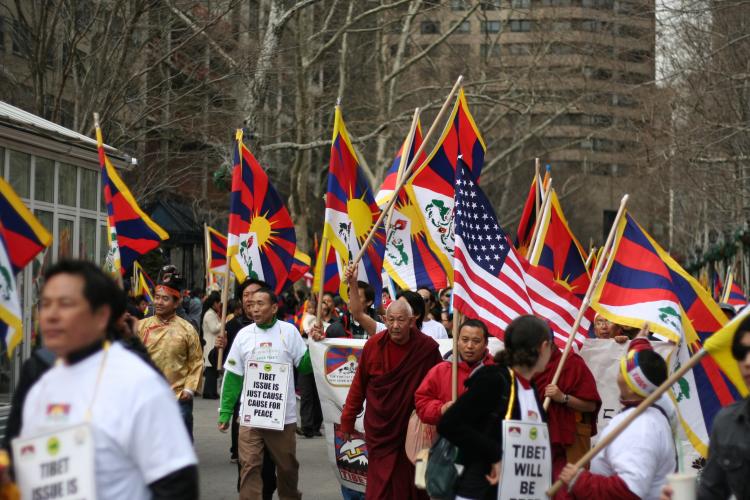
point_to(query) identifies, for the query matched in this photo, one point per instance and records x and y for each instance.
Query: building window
(67, 181)
(459, 5)
(519, 25)
(88, 239)
(65, 235)
(490, 26)
(430, 27)
(556, 3)
(44, 179)
(19, 175)
(463, 27)
(103, 243)
(20, 40)
(489, 50)
(490, 5)
(520, 4)
(89, 188)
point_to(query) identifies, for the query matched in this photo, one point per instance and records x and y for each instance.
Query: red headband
(168, 290)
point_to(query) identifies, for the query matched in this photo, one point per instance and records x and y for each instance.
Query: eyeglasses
(740, 351)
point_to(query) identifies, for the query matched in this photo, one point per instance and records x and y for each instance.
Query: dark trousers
(310, 412)
(186, 410)
(210, 386)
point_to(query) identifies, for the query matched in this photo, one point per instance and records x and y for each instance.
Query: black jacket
(728, 467)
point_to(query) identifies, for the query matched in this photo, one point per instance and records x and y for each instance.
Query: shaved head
(399, 306)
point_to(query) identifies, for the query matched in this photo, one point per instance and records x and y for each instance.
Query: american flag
(495, 284)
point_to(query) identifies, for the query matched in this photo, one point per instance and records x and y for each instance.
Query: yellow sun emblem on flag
(262, 228)
(361, 217)
(564, 282)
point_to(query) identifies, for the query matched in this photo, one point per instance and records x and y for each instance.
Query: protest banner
(527, 461)
(56, 465)
(264, 395)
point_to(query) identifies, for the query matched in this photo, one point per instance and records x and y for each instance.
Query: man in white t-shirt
(274, 341)
(141, 448)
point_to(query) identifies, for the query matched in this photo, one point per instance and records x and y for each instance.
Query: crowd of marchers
(129, 369)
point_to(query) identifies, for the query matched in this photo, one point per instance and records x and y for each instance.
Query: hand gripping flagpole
(612, 435)
(409, 170)
(596, 276)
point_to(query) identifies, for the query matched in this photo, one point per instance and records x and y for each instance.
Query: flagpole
(727, 288)
(118, 272)
(538, 190)
(454, 361)
(651, 399)
(535, 239)
(402, 163)
(592, 251)
(409, 170)
(206, 254)
(323, 253)
(595, 277)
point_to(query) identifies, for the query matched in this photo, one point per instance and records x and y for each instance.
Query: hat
(643, 370)
(170, 284)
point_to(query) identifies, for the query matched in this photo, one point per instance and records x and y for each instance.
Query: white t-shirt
(642, 455)
(434, 329)
(139, 435)
(281, 343)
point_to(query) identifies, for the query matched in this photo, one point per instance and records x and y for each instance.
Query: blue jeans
(186, 411)
(349, 494)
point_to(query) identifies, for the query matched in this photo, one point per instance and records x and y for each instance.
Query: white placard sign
(527, 461)
(264, 394)
(56, 464)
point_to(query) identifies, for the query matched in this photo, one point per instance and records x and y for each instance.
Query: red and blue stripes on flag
(393, 175)
(328, 269)
(737, 297)
(137, 234)
(217, 250)
(24, 235)
(559, 251)
(261, 239)
(351, 211)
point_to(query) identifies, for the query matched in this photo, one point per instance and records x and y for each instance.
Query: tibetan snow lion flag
(432, 187)
(409, 259)
(24, 235)
(132, 233)
(261, 242)
(217, 253)
(351, 212)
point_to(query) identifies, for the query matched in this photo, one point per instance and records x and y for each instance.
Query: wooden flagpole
(538, 179)
(538, 226)
(592, 252)
(225, 285)
(402, 163)
(454, 368)
(321, 280)
(409, 170)
(207, 254)
(612, 435)
(595, 277)
(726, 292)
(109, 229)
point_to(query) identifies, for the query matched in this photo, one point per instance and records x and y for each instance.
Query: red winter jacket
(435, 390)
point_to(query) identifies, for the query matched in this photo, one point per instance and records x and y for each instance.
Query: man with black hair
(140, 448)
(266, 340)
(355, 322)
(233, 327)
(635, 465)
(174, 346)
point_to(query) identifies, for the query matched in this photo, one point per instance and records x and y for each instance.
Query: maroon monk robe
(575, 380)
(389, 391)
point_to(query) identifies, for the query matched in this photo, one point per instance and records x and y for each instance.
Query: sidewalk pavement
(218, 475)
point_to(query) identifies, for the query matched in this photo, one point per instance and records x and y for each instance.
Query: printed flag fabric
(391, 177)
(718, 286)
(144, 285)
(733, 294)
(492, 282)
(328, 268)
(300, 266)
(132, 232)
(719, 346)
(432, 186)
(11, 326)
(261, 240)
(409, 259)
(217, 252)
(351, 212)
(559, 251)
(24, 235)
(527, 223)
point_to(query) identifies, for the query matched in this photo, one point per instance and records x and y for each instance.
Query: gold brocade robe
(175, 348)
